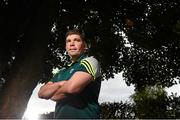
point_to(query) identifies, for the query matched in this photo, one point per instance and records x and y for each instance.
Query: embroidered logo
(71, 70)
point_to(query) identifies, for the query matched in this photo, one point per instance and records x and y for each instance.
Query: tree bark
(28, 69)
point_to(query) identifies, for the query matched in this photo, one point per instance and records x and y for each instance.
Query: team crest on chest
(71, 71)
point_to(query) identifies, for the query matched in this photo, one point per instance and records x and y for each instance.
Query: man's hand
(47, 90)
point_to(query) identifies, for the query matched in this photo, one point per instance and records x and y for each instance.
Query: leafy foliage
(154, 55)
(126, 110)
(151, 103)
(47, 115)
(117, 110)
(150, 67)
(173, 106)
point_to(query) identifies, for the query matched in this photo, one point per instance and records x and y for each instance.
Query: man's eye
(78, 40)
(68, 41)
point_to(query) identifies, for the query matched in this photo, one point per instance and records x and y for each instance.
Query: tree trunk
(28, 69)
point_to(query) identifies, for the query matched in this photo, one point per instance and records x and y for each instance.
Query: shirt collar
(83, 55)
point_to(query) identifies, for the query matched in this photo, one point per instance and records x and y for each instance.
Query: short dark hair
(76, 31)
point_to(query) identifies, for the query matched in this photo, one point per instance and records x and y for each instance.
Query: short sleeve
(91, 66)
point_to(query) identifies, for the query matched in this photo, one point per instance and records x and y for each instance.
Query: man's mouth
(74, 49)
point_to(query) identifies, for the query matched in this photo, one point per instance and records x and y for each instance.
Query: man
(75, 88)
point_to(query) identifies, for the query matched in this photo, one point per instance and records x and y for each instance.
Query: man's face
(74, 45)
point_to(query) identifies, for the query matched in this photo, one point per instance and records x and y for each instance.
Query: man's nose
(71, 43)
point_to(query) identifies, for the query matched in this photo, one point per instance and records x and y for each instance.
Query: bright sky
(113, 90)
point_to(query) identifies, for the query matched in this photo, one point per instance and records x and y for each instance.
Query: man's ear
(86, 46)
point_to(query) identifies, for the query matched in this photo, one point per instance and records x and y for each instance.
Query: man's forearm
(60, 93)
(58, 97)
(47, 90)
(72, 86)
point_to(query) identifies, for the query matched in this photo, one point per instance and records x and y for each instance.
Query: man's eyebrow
(77, 38)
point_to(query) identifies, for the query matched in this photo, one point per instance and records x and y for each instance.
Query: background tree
(47, 115)
(117, 110)
(173, 106)
(22, 55)
(154, 55)
(151, 103)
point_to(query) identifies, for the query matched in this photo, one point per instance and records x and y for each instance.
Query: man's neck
(73, 59)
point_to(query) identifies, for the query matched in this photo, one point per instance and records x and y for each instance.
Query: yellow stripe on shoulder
(88, 67)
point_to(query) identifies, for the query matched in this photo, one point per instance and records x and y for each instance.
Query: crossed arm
(59, 90)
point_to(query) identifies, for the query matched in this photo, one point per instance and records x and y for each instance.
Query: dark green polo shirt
(85, 104)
